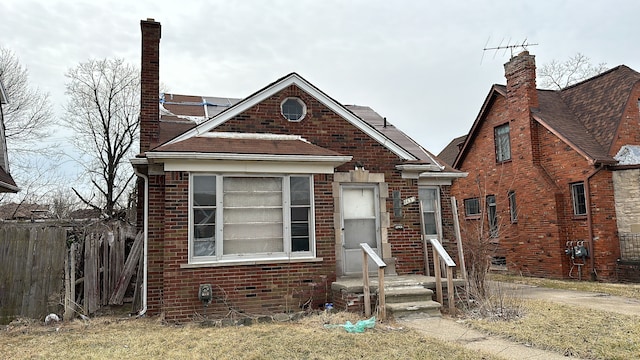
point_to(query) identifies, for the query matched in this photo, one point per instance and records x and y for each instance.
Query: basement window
(293, 109)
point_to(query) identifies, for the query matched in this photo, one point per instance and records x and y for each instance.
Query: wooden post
(456, 227)
(67, 288)
(436, 269)
(450, 291)
(365, 284)
(381, 297)
(425, 249)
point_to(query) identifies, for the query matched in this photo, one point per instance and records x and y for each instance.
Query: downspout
(145, 230)
(587, 196)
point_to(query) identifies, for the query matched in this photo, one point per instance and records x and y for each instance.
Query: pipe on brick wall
(587, 196)
(145, 231)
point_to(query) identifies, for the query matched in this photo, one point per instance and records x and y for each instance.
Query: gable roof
(185, 117)
(585, 115)
(451, 151)
(281, 84)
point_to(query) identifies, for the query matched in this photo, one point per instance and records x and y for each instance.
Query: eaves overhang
(338, 160)
(9, 187)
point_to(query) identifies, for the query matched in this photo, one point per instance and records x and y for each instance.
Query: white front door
(360, 224)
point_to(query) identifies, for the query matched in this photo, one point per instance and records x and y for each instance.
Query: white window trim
(436, 212)
(286, 255)
(299, 101)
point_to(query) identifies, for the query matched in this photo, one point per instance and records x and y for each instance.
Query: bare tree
(28, 117)
(557, 75)
(102, 110)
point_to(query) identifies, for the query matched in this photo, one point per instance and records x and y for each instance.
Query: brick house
(266, 198)
(552, 170)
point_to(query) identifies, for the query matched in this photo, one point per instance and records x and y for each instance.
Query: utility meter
(205, 294)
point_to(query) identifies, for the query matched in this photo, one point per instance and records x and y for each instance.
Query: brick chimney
(522, 100)
(520, 72)
(149, 85)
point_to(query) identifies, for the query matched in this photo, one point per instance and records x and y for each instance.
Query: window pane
(360, 202)
(503, 147)
(204, 243)
(430, 224)
(300, 229)
(300, 244)
(512, 206)
(472, 206)
(204, 190)
(492, 215)
(292, 109)
(300, 214)
(204, 216)
(204, 248)
(579, 199)
(235, 247)
(360, 231)
(252, 231)
(300, 191)
(251, 216)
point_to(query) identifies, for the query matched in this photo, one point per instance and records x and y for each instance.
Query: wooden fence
(68, 269)
(31, 270)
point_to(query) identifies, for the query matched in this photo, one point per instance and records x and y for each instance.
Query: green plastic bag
(358, 327)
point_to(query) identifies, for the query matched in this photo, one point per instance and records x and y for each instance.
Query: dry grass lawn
(626, 290)
(113, 338)
(569, 330)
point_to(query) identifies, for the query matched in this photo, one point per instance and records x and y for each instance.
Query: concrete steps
(410, 301)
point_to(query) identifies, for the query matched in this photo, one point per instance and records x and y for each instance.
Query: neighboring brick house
(7, 184)
(545, 176)
(267, 197)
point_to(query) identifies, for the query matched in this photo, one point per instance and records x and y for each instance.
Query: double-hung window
(502, 143)
(429, 200)
(579, 199)
(237, 217)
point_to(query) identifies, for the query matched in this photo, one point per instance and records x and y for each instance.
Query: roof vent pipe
(385, 122)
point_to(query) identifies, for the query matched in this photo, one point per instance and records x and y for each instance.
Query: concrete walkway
(452, 330)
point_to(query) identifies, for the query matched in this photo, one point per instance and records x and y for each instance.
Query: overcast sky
(421, 64)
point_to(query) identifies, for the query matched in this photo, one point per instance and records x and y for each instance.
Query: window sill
(580, 217)
(472, 217)
(249, 262)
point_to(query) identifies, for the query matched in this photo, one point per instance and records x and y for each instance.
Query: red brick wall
(628, 132)
(535, 244)
(276, 287)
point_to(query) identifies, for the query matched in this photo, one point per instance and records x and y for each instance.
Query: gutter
(587, 196)
(145, 231)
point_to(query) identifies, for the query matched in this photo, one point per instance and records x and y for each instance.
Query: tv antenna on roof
(506, 47)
